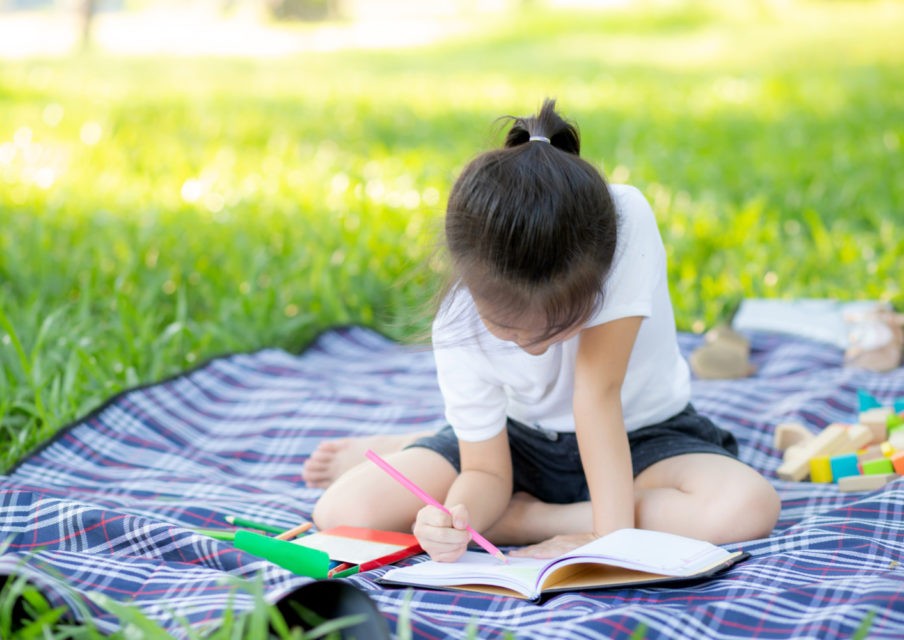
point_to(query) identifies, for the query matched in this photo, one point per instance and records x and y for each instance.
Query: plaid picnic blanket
(109, 506)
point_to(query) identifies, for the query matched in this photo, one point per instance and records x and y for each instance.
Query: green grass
(157, 212)
(26, 614)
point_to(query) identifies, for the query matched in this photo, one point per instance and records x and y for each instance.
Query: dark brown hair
(531, 228)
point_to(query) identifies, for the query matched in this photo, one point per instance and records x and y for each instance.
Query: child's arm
(602, 360)
(484, 484)
(603, 442)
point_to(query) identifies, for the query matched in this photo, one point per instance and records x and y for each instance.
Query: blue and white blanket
(109, 506)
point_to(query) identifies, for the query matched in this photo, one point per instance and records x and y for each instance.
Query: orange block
(898, 461)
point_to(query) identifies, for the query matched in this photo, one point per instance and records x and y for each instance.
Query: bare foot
(528, 520)
(332, 458)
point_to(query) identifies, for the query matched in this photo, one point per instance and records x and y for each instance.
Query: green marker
(302, 561)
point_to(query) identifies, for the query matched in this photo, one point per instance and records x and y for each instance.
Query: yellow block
(820, 469)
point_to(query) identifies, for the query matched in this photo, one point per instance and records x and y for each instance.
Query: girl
(565, 391)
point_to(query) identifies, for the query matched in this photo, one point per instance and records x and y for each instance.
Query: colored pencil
(345, 572)
(426, 497)
(345, 569)
(294, 532)
(238, 521)
(219, 534)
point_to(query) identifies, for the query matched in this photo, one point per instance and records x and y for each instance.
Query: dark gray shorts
(547, 464)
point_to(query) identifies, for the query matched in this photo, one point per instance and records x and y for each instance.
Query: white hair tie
(538, 139)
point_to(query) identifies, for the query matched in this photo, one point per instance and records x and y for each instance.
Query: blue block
(867, 401)
(843, 466)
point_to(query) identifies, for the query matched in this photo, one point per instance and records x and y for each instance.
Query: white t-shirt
(484, 379)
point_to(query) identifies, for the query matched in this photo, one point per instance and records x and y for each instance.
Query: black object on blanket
(324, 600)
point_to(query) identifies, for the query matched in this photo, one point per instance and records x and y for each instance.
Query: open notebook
(627, 557)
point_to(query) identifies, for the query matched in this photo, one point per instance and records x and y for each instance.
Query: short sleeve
(639, 261)
(475, 400)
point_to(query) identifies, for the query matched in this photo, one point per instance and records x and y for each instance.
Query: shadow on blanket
(106, 511)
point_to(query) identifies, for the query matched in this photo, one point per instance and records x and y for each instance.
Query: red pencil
(372, 564)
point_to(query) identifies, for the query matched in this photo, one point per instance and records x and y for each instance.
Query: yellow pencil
(294, 532)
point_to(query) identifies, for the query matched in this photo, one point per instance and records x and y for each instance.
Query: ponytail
(531, 228)
(546, 126)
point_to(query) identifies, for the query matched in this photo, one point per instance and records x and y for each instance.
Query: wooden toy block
(875, 419)
(820, 469)
(859, 435)
(844, 465)
(894, 422)
(870, 453)
(878, 466)
(897, 462)
(789, 434)
(828, 442)
(865, 483)
(896, 440)
(887, 449)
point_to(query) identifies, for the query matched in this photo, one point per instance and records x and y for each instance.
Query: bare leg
(705, 496)
(366, 496)
(332, 458)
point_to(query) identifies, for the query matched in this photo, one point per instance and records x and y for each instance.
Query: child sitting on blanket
(564, 388)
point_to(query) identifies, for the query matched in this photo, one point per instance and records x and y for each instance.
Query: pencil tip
(230, 519)
(501, 556)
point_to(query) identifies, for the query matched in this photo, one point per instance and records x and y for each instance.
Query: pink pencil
(426, 497)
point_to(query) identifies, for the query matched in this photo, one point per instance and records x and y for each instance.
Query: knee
(326, 514)
(745, 511)
(329, 513)
(338, 510)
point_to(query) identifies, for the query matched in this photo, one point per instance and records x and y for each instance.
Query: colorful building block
(897, 462)
(829, 441)
(820, 469)
(866, 483)
(894, 422)
(867, 401)
(844, 465)
(877, 467)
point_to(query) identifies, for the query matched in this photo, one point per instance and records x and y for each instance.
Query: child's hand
(555, 546)
(443, 536)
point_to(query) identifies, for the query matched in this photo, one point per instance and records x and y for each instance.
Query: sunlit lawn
(156, 212)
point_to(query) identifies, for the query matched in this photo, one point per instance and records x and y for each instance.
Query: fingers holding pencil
(430, 500)
(443, 534)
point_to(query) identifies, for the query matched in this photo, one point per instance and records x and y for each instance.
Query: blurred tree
(303, 9)
(86, 11)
